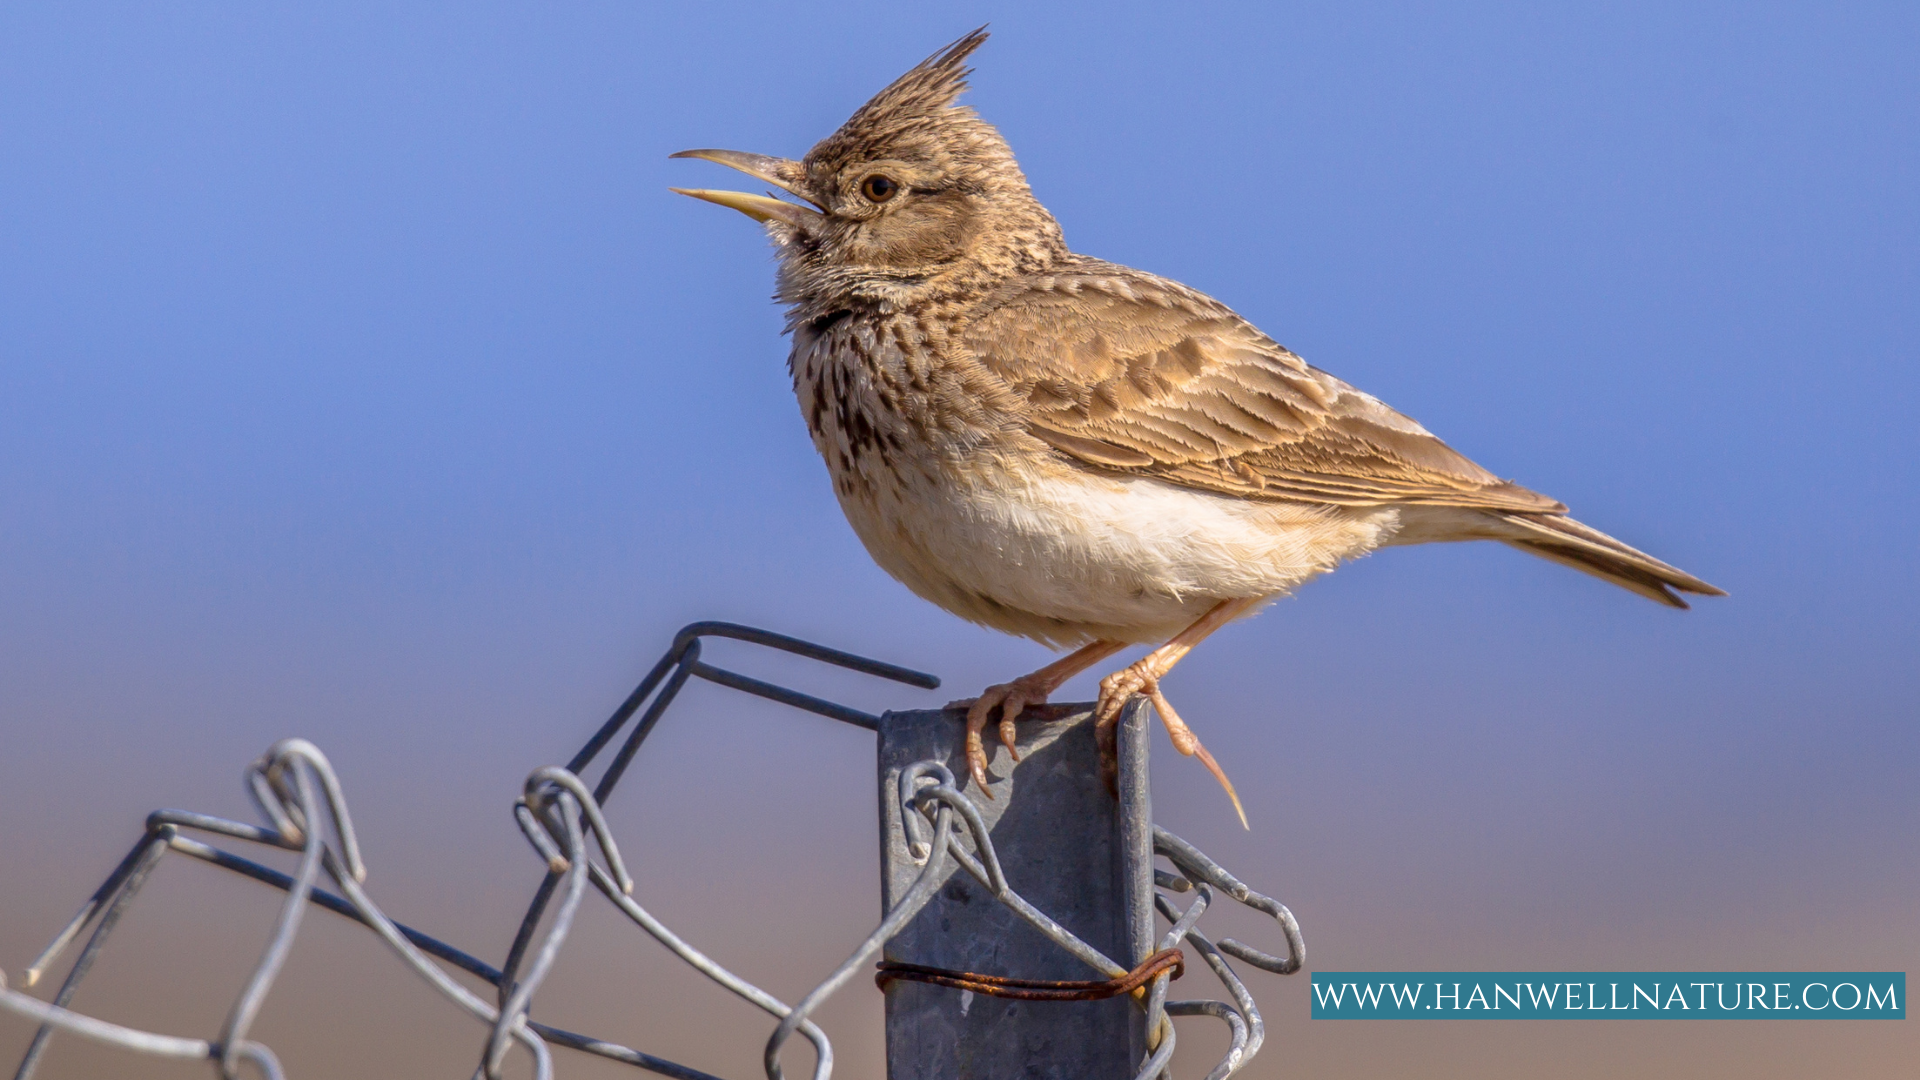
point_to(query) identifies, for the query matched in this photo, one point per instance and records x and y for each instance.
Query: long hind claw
(1185, 741)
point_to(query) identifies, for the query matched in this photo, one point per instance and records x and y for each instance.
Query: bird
(1076, 452)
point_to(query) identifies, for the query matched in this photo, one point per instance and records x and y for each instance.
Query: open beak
(782, 173)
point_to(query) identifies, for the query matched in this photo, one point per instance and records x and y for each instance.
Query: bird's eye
(879, 188)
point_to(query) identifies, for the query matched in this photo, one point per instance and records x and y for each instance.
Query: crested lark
(1074, 451)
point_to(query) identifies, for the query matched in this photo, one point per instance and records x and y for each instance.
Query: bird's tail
(1566, 541)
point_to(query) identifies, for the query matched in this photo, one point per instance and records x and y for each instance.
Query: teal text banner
(1620, 995)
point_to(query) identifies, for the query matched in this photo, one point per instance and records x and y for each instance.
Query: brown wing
(1134, 374)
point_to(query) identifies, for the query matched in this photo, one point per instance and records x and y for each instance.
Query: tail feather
(1568, 542)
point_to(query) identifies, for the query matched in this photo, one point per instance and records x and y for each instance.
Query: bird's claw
(1115, 690)
(1009, 700)
(1185, 741)
(977, 762)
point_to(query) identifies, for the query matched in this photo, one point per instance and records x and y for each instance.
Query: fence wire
(300, 798)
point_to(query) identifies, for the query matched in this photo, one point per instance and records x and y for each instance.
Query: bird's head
(912, 197)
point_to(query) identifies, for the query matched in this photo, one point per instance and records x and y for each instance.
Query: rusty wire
(1004, 986)
(300, 797)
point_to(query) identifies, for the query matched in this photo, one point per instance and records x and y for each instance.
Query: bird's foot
(1142, 678)
(1009, 700)
(1117, 688)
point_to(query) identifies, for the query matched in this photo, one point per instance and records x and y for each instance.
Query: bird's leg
(1116, 688)
(1143, 677)
(1011, 699)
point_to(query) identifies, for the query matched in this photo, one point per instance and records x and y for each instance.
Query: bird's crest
(923, 93)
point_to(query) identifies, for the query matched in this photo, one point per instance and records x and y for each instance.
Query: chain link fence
(304, 810)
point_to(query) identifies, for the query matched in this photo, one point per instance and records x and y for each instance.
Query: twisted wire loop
(300, 798)
(1035, 989)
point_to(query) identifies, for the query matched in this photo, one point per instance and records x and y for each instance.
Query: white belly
(1069, 557)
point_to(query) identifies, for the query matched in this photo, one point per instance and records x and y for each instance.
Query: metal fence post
(1072, 850)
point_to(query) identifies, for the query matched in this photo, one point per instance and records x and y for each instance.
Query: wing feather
(1126, 372)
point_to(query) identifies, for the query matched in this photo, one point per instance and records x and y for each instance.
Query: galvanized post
(1072, 850)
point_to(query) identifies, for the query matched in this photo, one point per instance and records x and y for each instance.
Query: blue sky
(360, 379)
